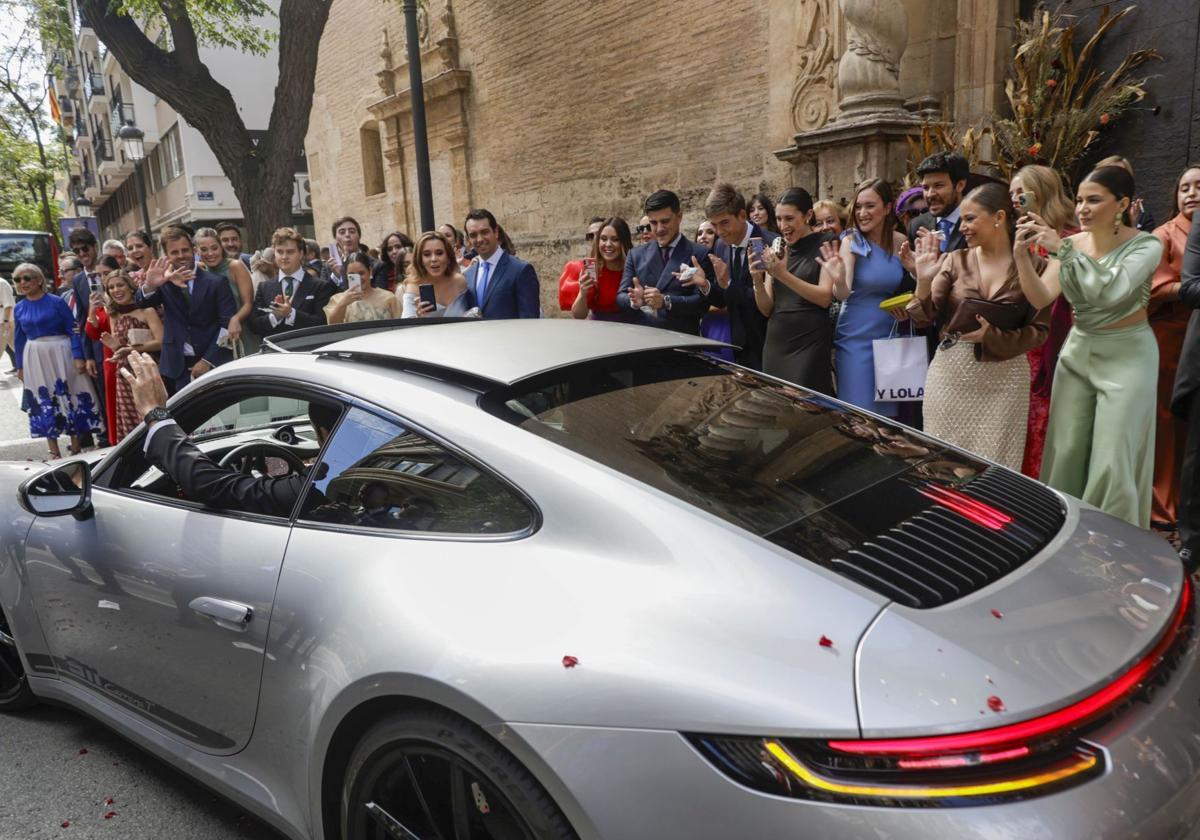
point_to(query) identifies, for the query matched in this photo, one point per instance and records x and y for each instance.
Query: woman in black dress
(799, 333)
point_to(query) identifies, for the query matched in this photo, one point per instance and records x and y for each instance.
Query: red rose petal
(997, 614)
(108, 801)
(83, 751)
(116, 764)
(996, 704)
(66, 823)
(110, 815)
(825, 641)
(570, 661)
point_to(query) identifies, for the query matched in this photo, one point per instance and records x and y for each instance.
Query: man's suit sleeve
(259, 322)
(626, 282)
(529, 298)
(204, 481)
(321, 294)
(692, 302)
(142, 300)
(1189, 275)
(379, 275)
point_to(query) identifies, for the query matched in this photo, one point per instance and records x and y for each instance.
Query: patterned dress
(58, 399)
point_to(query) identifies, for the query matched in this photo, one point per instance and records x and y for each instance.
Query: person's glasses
(642, 229)
(589, 236)
(80, 249)
(25, 278)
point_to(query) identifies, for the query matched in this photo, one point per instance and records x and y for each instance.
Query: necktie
(287, 288)
(945, 226)
(483, 281)
(735, 267)
(666, 255)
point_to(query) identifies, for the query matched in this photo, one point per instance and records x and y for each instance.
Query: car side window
(378, 474)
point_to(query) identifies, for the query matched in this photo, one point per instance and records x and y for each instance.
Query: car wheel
(15, 694)
(427, 774)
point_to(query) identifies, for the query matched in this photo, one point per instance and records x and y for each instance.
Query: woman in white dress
(433, 264)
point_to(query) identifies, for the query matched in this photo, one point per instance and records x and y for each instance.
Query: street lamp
(416, 89)
(83, 207)
(132, 144)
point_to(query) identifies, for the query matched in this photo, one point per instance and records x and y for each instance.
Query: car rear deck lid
(511, 350)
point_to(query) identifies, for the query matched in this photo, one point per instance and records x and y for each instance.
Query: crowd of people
(1053, 324)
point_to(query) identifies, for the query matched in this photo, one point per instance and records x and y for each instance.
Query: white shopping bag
(901, 363)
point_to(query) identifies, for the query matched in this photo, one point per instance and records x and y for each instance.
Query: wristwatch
(155, 415)
(667, 302)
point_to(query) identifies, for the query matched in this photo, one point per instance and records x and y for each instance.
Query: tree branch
(183, 34)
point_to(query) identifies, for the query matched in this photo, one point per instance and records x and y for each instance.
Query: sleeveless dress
(1100, 437)
(877, 277)
(126, 415)
(249, 341)
(799, 333)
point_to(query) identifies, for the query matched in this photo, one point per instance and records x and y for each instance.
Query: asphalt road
(45, 779)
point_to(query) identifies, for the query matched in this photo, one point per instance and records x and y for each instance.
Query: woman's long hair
(994, 198)
(1050, 199)
(1118, 180)
(623, 235)
(769, 205)
(884, 190)
(417, 273)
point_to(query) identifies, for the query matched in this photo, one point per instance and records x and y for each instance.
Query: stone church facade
(548, 113)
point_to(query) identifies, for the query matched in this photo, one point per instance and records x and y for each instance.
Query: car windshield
(749, 449)
(22, 247)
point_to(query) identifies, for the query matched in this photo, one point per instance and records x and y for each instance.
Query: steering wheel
(253, 456)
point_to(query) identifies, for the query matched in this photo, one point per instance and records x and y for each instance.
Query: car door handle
(228, 614)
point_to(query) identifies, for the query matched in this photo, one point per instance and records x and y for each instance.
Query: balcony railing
(89, 180)
(81, 129)
(104, 149)
(122, 112)
(96, 84)
(67, 107)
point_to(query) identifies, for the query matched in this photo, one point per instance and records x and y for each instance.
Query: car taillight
(1020, 760)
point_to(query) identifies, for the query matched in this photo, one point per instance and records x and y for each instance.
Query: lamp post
(131, 138)
(416, 89)
(83, 207)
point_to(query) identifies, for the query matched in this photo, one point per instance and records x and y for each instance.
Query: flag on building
(55, 111)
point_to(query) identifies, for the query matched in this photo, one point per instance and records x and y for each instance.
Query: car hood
(1057, 629)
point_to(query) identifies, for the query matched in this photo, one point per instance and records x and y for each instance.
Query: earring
(1117, 224)
(995, 224)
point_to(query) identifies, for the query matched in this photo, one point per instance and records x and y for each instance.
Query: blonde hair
(416, 268)
(838, 210)
(1116, 160)
(1049, 198)
(124, 278)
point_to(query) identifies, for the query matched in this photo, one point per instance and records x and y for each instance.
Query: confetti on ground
(83, 751)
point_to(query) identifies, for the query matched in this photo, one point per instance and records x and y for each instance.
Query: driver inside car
(200, 478)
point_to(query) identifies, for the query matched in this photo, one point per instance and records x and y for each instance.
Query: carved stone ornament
(869, 72)
(386, 76)
(814, 95)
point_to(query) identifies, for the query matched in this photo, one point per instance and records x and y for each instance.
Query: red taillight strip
(964, 505)
(1061, 720)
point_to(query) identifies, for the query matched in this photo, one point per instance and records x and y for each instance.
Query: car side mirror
(63, 489)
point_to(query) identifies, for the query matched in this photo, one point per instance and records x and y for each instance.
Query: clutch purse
(139, 336)
(1002, 316)
(897, 302)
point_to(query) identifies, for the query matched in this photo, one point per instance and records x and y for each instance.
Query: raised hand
(928, 256)
(1039, 231)
(720, 268)
(637, 295)
(908, 258)
(156, 273)
(110, 341)
(831, 261)
(180, 276)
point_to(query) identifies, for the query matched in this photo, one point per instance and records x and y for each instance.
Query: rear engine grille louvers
(939, 555)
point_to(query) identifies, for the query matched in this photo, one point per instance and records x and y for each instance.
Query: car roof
(508, 351)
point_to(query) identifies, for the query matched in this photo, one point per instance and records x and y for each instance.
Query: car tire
(437, 774)
(15, 693)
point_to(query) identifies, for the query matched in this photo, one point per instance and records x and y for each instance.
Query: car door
(123, 592)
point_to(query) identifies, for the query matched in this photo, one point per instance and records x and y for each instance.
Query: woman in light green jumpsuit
(1100, 436)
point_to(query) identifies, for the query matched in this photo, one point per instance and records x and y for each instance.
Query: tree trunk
(262, 176)
(47, 216)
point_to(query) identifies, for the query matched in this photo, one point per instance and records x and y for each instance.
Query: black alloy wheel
(430, 775)
(15, 694)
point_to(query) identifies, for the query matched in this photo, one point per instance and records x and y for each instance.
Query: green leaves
(234, 24)
(21, 173)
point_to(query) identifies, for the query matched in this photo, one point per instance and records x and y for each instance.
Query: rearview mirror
(66, 488)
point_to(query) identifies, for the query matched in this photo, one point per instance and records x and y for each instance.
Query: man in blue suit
(503, 286)
(734, 290)
(651, 279)
(197, 306)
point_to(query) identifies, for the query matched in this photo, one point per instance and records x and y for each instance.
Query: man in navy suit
(295, 298)
(503, 286)
(197, 306)
(734, 290)
(651, 279)
(82, 243)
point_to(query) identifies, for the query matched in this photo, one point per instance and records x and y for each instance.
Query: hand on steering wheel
(256, 452)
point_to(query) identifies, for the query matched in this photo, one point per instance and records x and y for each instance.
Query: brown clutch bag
(1002, 316)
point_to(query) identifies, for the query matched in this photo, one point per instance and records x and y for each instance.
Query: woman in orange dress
(1169, 319)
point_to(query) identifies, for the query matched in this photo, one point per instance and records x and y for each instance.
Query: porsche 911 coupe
(556, 579)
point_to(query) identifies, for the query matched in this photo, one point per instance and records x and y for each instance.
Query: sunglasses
(642, 229)
(26, 278)
(589, 236)
(79, 249)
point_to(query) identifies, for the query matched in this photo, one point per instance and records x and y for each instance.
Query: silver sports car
(552, 579)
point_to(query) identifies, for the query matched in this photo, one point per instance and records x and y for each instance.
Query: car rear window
(19, 247)
(749, 449)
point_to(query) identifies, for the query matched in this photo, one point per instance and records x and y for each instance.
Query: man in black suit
(295, 298)
(197, 306)
(944, 182)
(167, 447)
(1185, 403)
(725, 208)
(651, 280)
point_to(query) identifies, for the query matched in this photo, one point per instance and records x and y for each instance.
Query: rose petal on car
(997, 614)
(825, 641)
(996, 704)
(570, 661)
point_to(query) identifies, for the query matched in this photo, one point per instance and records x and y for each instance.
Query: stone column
(869, 72)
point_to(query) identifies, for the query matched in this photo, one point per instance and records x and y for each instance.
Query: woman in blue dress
(58, 393)
(866, 270)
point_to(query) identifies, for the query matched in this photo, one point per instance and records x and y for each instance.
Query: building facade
(553, 112)
(183, 181)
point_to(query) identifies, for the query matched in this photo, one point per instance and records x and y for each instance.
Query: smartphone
(1025, 200)
(589, 267)
(354, 282)
(756, 245)
(427, 295)
(333, 252)
(94, 285)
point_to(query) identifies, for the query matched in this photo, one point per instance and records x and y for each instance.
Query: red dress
(603, 300)
(110, 373)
